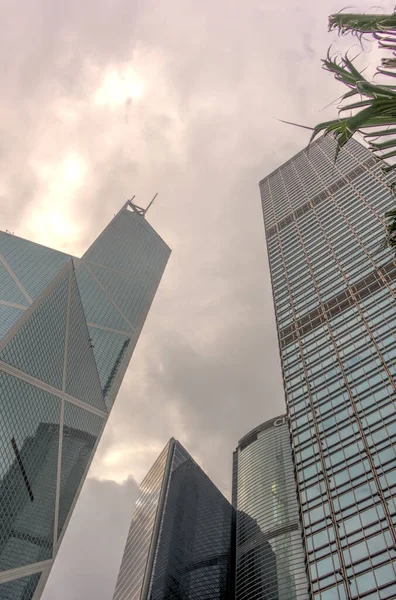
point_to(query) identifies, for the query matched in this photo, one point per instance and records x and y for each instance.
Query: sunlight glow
(64, 177)
(118, 88)
(123, 461)
(72, 171)
(52, 218)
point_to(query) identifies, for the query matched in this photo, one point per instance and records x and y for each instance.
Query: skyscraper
(68, 328)
(179, 542)
(269, 553)
(334, 295)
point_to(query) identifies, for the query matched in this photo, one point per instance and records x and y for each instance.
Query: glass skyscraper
(68, 328)
(269, 553)
(179, 545)
(334, 295)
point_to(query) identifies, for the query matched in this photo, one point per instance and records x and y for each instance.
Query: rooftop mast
(139, 209)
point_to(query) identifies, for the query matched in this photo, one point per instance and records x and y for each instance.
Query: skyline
(202, 134)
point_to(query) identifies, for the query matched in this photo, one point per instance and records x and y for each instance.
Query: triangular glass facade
(28, 466)
(179, 545)
(81, 430)
(35, 266)
(64, 347)
(82, 378)
(8, 316)
(38, 347)
(109, 349)
(97, 307)
(9, 290)
(20, 588)
(118, 287)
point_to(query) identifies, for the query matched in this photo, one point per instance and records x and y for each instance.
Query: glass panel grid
(340, 375)
(20, 589)
(35, 266)
(97, 307)
(29, 423)
(133, 565)
(29, 431)
(269, 555)
(193, 557)
(38, 346)
(8, 317)
(82, 378)
(109, 349)
(192, 552)
(81, 430)
(9, 290)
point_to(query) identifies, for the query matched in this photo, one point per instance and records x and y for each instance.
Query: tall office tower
(334, 295)
(179, 542)
(68, 328)
(269, 552)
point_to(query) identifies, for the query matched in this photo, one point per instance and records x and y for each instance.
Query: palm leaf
(374, 115)
(377, 106)
(359, 24)
(388, 73)
(382, 145)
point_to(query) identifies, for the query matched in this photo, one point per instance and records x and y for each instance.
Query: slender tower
(334, 294)
(269, 553)
(68, 328)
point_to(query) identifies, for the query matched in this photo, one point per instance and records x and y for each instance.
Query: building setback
(179, 545)
(334, 295)
(269, 554)
(68, 328)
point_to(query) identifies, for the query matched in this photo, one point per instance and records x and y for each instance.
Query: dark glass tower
(269, 552)
(179, 542)
(334, 294)
(68, 328)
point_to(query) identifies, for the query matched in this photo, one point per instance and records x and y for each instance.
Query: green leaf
(350, 66)
(388, 155)
(381, 133)
(384, 72)
(356, 105)
(359, 24)
(382, 145)
(374, 90)
(349, 94)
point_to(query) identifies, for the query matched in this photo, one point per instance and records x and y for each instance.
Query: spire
(139, 209)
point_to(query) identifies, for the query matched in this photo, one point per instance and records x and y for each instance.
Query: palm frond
(343, 70)
(381, 133)
(374, 115)
(358, 24)
(382, 145)
(383, 72)
(295, 124)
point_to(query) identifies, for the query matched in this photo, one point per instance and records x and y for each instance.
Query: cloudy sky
(102, 100)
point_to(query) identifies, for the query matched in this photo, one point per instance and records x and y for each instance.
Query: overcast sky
(109, 98)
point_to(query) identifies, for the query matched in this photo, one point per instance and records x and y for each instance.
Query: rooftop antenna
(139, 209)
(151, 202)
